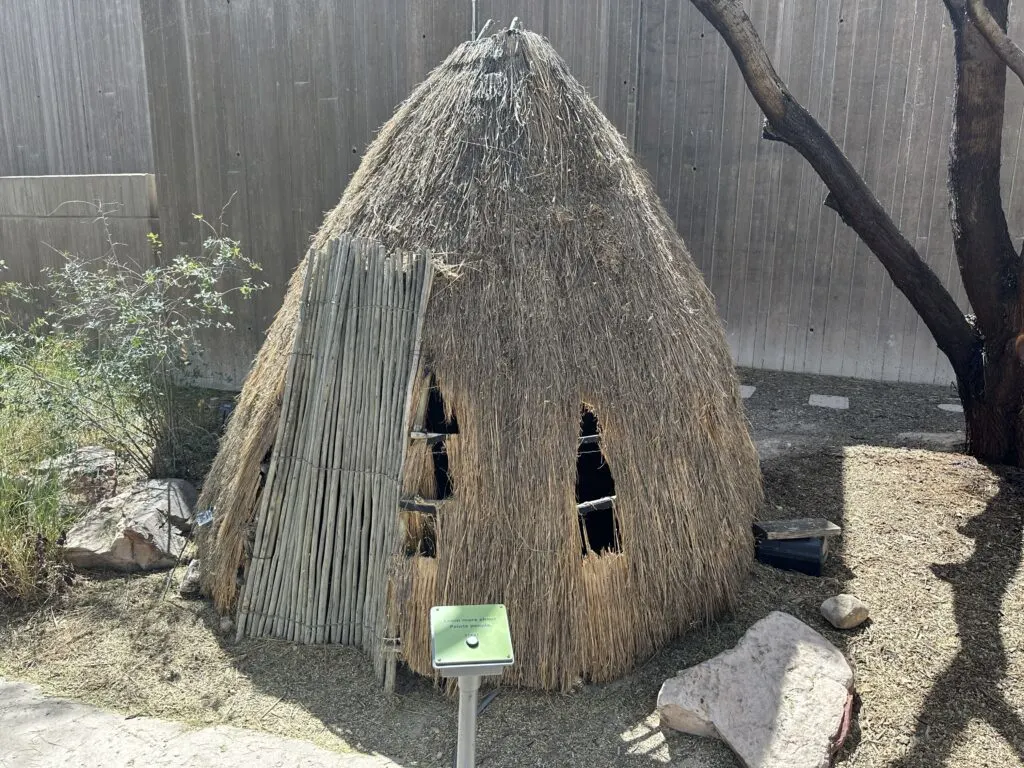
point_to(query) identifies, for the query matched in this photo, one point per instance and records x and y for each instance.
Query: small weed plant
(33, 512)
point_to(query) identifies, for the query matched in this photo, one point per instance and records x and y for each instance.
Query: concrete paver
(835, 402)
(38, 731)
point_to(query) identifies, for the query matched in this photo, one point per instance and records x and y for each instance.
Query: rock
(844, 611)
(835, 402)
(780, 698)
(89, 474)
(140, 529)
(189, 586)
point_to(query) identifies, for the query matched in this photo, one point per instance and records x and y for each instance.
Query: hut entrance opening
(595, 490)
(439, 421)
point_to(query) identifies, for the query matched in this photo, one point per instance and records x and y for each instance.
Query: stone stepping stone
(835, 402)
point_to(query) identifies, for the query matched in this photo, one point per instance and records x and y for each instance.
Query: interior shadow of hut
(971, 686)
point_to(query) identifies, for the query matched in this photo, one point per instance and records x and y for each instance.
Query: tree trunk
(994, 407)
(986, 351)
(992, 388)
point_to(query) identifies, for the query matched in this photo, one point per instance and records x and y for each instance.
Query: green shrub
(108, 355)
(33, 512)
(130, 336)
(33, 522)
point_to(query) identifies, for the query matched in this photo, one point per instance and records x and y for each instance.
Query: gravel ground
(931, 541)
(878, 414)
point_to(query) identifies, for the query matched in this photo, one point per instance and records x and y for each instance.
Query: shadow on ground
(970, 688)
(613, 724)
(123, 646)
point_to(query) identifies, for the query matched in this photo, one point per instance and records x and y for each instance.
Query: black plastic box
(801, 555)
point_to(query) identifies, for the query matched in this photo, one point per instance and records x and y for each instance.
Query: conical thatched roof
(561, 284)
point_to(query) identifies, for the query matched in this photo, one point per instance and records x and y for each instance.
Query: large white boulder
(780, 699)
(140, 529)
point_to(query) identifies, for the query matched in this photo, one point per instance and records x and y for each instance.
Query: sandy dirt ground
(932, 541)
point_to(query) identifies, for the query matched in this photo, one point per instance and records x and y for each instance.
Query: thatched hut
(580, 449)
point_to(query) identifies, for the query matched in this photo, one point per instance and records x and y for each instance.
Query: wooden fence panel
(42, 217)
(73, 88)
(796, 288)
(270, 106)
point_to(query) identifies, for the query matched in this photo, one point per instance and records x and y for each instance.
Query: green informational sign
(470, 636)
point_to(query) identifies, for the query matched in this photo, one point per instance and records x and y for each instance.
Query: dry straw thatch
(561, 282)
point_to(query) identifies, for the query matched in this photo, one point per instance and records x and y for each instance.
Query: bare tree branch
(996, 37)
(790, 123)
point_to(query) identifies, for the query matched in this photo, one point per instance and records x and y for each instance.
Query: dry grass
(563, 283)
(932, 541)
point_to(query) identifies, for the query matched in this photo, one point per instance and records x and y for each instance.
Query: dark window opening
(436, 421)
(595, 490)
(588, 423)
(421, 514)
(442, 479)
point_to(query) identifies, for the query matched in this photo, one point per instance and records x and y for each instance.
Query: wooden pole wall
(326, 531)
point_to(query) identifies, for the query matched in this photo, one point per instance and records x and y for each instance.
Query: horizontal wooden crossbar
(420, 505)
(430, 437)
(430, 506)
(597, 504)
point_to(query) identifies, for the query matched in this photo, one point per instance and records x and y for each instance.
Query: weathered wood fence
(275, 102)
(41, 217)
(73, 88)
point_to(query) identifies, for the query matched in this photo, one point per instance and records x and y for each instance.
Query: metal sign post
(468, 642)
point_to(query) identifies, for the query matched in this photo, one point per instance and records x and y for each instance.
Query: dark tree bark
(996, 36)
(990, 266)
(984, 350)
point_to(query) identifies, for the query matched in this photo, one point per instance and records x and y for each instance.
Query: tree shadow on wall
(969, 688)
